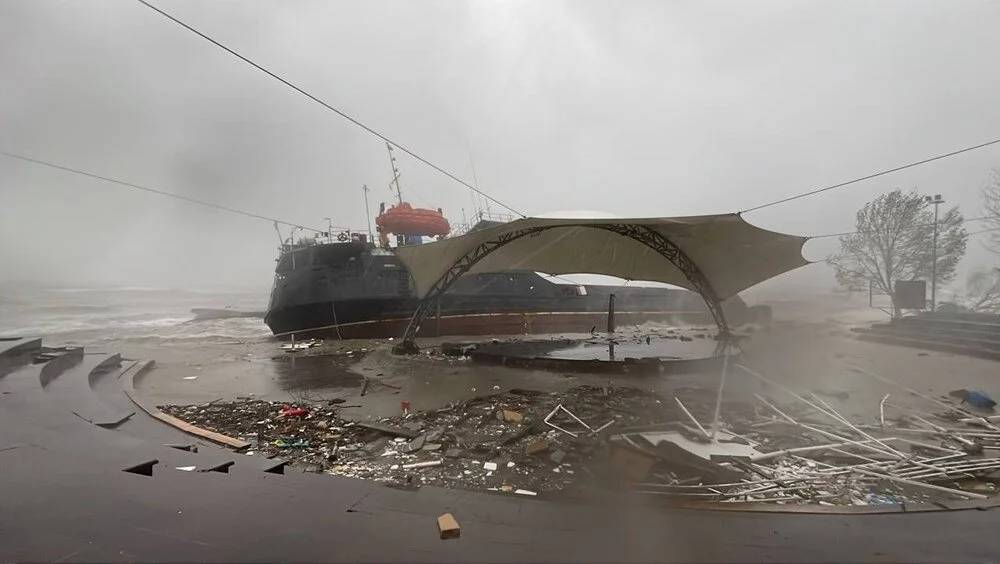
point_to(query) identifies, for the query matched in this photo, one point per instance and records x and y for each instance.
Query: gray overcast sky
(629, 108)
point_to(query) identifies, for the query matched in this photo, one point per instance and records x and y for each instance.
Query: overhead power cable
(870, 176)
(328, 106)
(163, 192)
(981, 231)
(964, 221)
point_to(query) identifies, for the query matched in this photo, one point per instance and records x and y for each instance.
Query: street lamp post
(937, 201)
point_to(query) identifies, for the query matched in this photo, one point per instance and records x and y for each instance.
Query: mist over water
(93, 315)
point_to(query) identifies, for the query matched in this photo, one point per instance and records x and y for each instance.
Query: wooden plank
(198, 431)
(128, 385)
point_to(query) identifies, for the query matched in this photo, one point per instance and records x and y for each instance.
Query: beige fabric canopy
(731, 254)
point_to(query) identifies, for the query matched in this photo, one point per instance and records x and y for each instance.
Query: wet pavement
(802, 356)
(347, 383)
(66, 497)
(649, 343)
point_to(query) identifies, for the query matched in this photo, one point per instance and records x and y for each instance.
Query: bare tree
(991, 208)
(894, 241)
(983, 291)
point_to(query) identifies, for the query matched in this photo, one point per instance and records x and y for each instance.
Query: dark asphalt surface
(65, 498)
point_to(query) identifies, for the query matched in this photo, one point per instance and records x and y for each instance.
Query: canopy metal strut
(641, 233)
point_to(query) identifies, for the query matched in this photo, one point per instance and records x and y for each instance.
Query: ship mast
(395, 174)
(475, 180)
(368, 213)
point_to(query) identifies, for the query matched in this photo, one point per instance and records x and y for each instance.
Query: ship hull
(353, 291)
(312, 320)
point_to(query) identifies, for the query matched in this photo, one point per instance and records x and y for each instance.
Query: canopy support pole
(641, 233)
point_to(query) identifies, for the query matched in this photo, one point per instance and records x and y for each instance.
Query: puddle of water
(600, 350)
(312, 373)
(659, 349)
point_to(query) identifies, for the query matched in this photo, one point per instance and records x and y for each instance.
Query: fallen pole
(887, 465)
(691, 417)
(728, 485)
(909, 482)
(825, 410)
(853, 427)
(554, 426)
(917, 393)
(931, 447)
(829, 434)
(796, 450)
(891, 478)
(952, 470)
(980, 419)
(934, 469)
(722, 385)
(836, 416)
(881, 410)
(943, 431)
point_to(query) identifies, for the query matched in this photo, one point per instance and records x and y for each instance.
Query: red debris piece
(289, 411)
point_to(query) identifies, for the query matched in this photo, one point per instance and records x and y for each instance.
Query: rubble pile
(808, 452)
(527, 442)
(757, 457)
(495, 442)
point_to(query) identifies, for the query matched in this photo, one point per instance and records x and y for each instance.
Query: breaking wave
(83, 315)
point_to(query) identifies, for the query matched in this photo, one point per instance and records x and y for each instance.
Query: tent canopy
(730, 254)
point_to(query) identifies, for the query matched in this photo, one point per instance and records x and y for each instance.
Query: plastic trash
(289, 411)
(975, 398)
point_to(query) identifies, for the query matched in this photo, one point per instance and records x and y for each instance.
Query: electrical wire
(964, 221)
(870, 176)
(165, 193)
(296, 225)
(981, 231)
(328, 106)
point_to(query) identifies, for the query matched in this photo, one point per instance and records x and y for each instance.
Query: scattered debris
(293, 411)
(448, 527)
(560, 409)
(388, 430)
(301, 345)
(457, 439)
(974, 398)
(422, 464)
(786, 448)
(536, 446)
(511, 416)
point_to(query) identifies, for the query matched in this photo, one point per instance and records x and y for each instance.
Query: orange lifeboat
(404, 219)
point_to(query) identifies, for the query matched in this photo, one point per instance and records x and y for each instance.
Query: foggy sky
(628, 108)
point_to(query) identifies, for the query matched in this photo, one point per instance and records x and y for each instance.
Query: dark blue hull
(360, 292)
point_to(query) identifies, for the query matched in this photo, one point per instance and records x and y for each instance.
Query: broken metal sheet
(725, 444)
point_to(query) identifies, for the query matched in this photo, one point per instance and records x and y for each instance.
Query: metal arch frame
(677, 257)
(641, 233)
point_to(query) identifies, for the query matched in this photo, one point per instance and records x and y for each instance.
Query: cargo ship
(350, 285)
